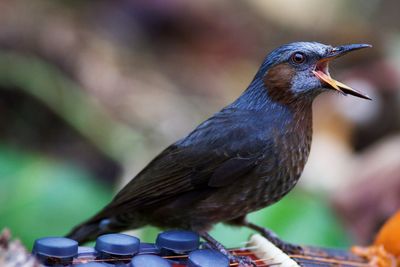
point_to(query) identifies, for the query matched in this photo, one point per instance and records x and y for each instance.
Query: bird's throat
(278, 81)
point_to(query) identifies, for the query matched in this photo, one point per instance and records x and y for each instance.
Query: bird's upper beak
(322, 72)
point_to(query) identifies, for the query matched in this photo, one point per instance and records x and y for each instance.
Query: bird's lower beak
(322, 70)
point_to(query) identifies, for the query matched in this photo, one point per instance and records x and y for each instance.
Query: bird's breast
(286, 144)
(291, 148)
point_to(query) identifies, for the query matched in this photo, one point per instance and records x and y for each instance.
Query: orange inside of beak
(327, 79)
(322, 73)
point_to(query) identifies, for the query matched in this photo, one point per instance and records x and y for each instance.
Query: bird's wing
(218, 152)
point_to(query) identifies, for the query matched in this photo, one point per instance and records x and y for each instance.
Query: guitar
(385, 252)
(259, 249)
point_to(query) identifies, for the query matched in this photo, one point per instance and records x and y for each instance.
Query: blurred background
(90, 91)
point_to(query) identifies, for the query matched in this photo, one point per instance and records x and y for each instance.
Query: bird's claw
(282, 245)
(291, 248)
(288, 248)
(242, 261)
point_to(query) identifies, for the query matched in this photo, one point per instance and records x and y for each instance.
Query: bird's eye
(298, 58)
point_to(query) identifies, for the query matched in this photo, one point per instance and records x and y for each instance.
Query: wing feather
(219, 151)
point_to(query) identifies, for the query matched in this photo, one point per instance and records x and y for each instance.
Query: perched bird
(243, 158)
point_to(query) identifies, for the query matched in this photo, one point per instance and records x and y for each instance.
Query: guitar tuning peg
(207, 258)
(117, 245)
(178, 241)
(55, 250)
(149, 261)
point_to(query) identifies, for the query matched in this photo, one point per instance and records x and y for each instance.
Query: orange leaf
(389, 235)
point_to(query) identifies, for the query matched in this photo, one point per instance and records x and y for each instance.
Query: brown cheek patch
(278, 83)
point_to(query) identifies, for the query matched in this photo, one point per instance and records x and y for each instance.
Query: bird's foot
(286, 247)
(271, 236)
(241, 261)
(290, 248)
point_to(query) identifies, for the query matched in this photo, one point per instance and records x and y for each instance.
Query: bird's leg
(273, 238)
(242, 261)
(268, 234)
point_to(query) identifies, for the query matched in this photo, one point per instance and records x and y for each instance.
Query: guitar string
(310, 252)
(316, 254)
(348, 262)
(310, 257)
(313, 260)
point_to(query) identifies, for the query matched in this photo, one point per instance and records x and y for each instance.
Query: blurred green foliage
(300, 218)
(41, 197)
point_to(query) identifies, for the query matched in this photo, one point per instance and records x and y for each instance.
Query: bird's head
(301, 69)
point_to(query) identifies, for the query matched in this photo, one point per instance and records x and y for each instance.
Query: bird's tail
(100, 224)
(94, 227)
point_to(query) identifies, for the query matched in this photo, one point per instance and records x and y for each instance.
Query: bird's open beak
(322, 69)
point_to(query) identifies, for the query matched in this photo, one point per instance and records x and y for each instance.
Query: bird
(245, 157)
